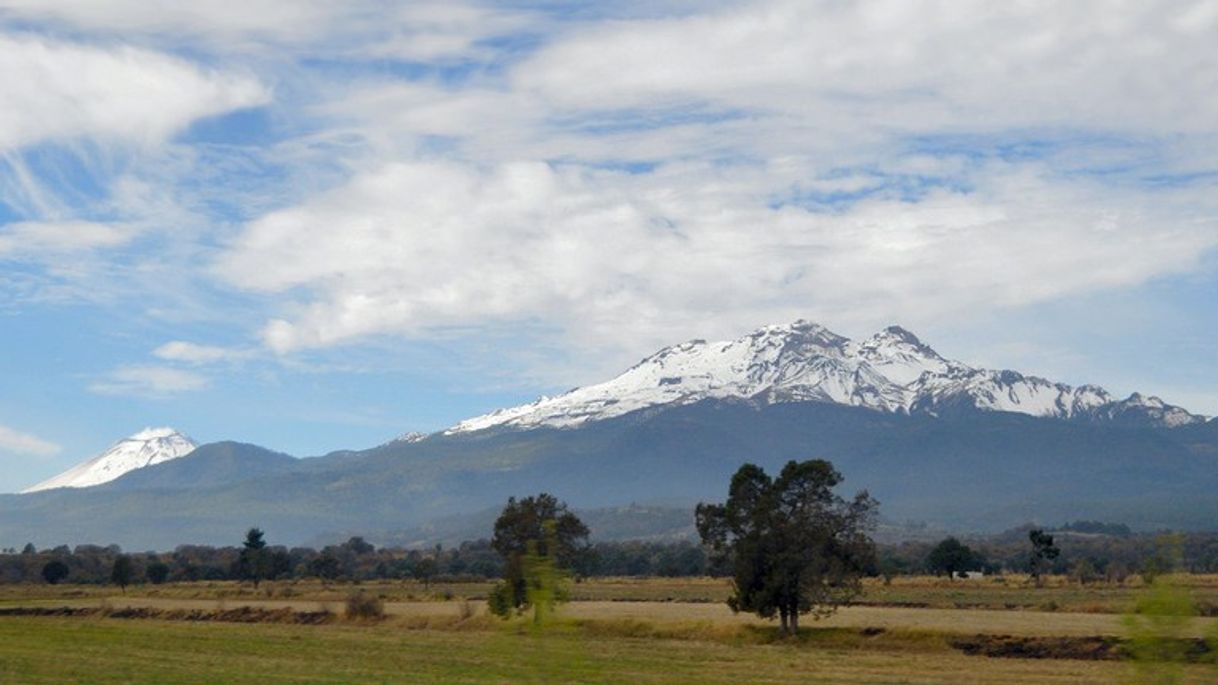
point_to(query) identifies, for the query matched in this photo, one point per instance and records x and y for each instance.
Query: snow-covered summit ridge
(145, 448)
(411, 437)
(891, 371)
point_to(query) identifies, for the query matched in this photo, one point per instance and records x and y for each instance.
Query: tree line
(1084, 558)
(354, 560)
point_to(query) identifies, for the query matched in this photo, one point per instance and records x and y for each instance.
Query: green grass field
(624, 631)
(55, 651)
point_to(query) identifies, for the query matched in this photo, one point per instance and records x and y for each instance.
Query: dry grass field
(1009, 592)
(948, 621)
(617, 630)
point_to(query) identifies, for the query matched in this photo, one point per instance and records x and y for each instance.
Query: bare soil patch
(1094, 648)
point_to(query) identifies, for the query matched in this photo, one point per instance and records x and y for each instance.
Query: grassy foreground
(623, 631)
(66, 650)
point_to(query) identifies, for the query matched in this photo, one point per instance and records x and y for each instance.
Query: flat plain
(615, 630)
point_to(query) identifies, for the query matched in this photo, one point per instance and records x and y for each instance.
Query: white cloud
(415, 31)
(194, 353)
(55, 90)
(88, 163)
(39, 237)
(490, 198)
(440, 31)
(227, 20)
(153, 382)
(903, 64)
(614, 258)
(23, 443)
(841, 81)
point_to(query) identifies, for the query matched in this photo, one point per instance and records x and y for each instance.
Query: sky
(316, 225)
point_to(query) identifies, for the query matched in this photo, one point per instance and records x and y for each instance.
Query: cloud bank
(638, 181)
(619, 179)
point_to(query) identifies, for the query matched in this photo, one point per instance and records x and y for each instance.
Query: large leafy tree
(157, 572)
(793, 545)
(1043, 553)
(54, 571)
(951, 557)
(529, 529)
(122, 572)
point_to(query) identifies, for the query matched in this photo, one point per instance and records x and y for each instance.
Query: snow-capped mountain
(145, 448)
(412, 436)
(892, 371)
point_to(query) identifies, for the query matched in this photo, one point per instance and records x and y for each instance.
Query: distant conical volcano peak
(145, 448)
(803, 361)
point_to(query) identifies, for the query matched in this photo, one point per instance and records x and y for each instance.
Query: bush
(1157, 631)
(361, 605)
(54, 571)
(500, 601)
(157, 572)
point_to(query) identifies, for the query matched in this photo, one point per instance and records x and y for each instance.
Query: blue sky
(316, 225)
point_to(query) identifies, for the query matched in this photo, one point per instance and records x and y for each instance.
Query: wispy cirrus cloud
(87, 160)
(194, 353)
(26, 238)
(17, 442)
(373, 29)
(150, 382)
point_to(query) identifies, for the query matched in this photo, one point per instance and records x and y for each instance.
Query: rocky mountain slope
(979, 471)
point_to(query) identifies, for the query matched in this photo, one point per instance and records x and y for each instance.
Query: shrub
(157, 572)
(499, 602)
(54, 571)
(361, 605)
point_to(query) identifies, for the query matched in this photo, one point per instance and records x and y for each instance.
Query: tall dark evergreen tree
(793, 545)
(255, 559)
